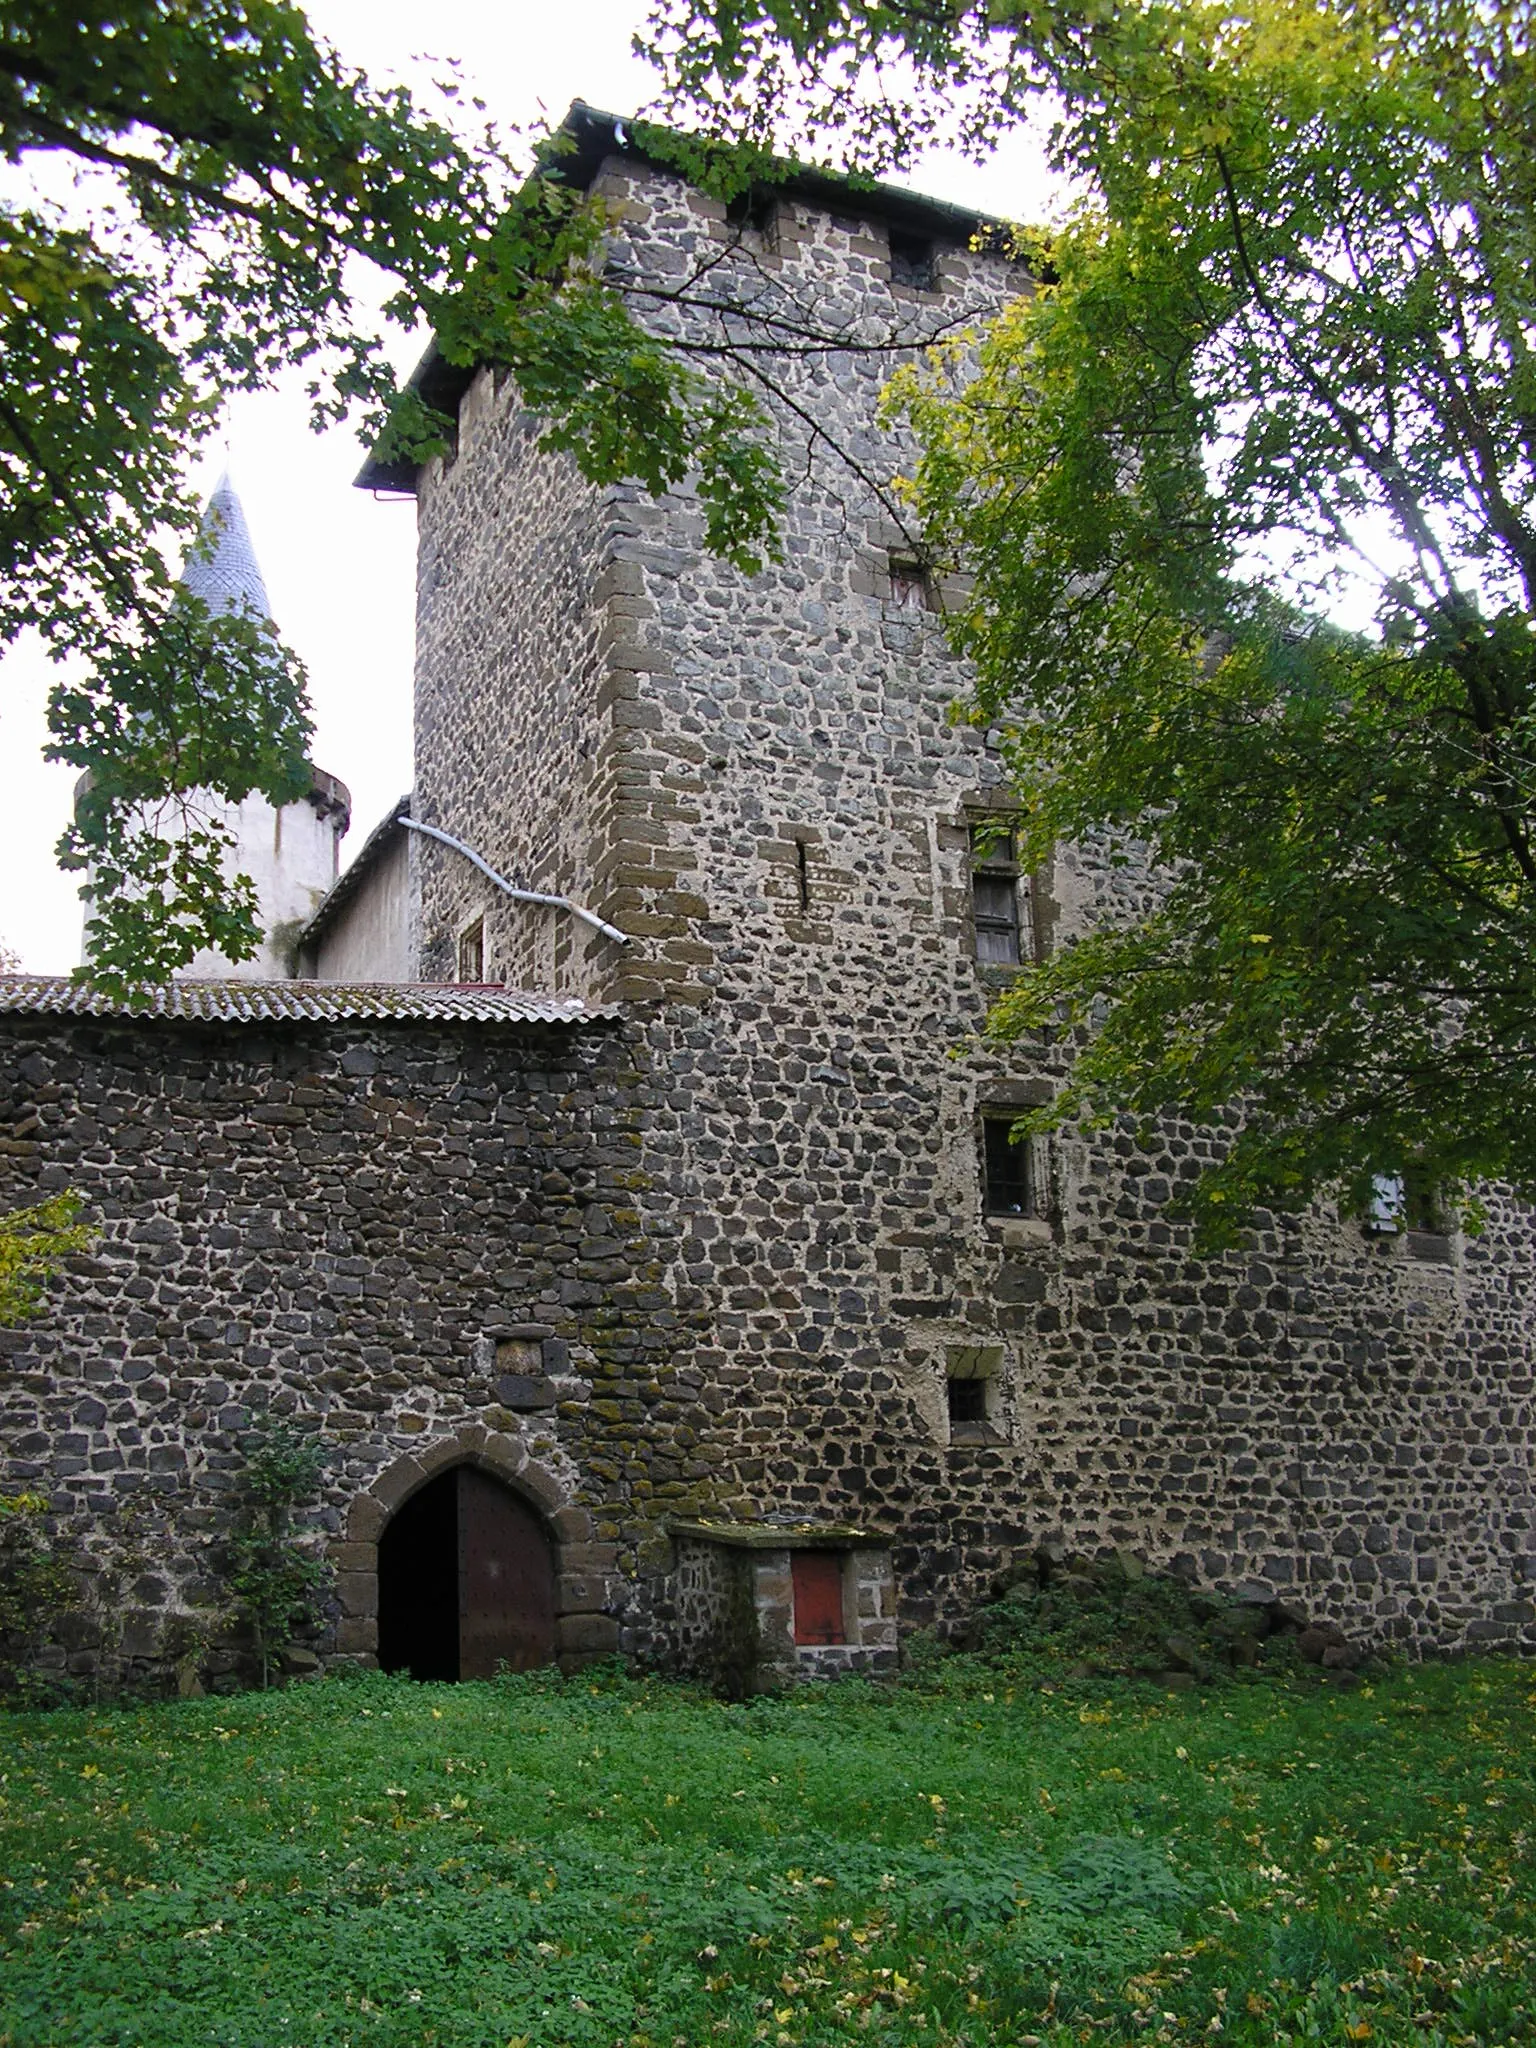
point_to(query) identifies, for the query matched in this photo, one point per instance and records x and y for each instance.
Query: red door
(817, 1578)
(506, 1580)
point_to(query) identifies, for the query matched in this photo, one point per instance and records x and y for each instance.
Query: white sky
(340, 565)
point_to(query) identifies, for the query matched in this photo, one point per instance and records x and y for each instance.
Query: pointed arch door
(466, 1581)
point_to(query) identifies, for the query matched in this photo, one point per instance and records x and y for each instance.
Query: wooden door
(506, 1580)
(817, 1579)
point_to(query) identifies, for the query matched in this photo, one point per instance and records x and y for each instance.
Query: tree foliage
(36, 1587)
(275, 1579)
(1282, 342)
(34, 1244)
(197, 190)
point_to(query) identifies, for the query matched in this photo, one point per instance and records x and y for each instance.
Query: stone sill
(1016, 1232)
(1432, 1245)
(974, 1435)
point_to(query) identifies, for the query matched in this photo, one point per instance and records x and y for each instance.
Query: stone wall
(734, 1619)
(781, 812)
(423, 1240)
(721, 1260)
(513, 642)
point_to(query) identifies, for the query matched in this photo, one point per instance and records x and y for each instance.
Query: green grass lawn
(546, 1863)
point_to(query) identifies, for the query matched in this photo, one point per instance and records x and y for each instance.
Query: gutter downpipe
(609, 931)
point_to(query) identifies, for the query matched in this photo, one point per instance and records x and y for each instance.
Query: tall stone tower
(291, 852)
(881, 1311)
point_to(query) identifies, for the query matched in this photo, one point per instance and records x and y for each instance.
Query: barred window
(967, 1401)
(1012, 1181)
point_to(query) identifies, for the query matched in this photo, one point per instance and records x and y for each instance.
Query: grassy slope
(376, 1862)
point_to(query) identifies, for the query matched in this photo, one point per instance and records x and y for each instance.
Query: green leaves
(1285, 346)
(191, 705)
(276, 1581)
(34, 1244)
(231, 170)
(534, 1861)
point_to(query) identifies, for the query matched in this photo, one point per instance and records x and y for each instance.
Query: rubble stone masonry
(424, 1240)
(762, 784)
(720, 1260)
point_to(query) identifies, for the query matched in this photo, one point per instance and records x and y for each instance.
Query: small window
(817, 1580)
(756, 211)
(967, 1402)
(913, 261)
(999, 898)
(1010, 1174)
(1404, 1201)
(1423, 1205)
(472, 952)
(911, 585)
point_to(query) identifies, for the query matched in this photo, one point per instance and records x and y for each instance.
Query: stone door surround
(584, 1629)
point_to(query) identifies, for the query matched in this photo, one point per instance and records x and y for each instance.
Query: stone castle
(622, 1187)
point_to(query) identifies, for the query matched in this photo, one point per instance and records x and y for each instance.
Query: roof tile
(295, 1002)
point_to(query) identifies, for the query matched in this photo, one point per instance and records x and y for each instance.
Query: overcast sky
(340, 564)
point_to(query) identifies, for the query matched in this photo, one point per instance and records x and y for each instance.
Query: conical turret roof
(222, 570)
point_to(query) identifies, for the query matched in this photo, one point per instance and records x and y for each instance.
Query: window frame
(998, 863)
(1023, 1170)
(471, 933)
(908, 583)
(1406, 1206)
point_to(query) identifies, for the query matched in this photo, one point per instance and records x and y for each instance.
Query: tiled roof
(222, 568)
(298, 1002)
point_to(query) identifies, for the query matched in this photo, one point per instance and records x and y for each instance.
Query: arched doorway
(466, 1581)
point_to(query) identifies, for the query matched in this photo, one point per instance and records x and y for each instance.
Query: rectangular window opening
(816, 1577)
(967, 1402)
(913, 260)
(1010, 1177)
(1000, 902)
(1407, 1201)
(472, 952)
(756, 210)
(802, 876)
(911, 587)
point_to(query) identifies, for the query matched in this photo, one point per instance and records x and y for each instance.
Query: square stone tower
(894, 1318)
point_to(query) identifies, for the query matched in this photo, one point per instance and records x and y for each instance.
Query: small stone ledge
(780, 1535)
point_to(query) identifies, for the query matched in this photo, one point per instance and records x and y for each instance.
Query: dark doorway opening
(466, 1582)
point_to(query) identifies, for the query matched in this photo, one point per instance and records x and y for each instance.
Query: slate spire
(222, 570)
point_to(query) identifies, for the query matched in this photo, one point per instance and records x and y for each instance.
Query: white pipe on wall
(609, 931)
